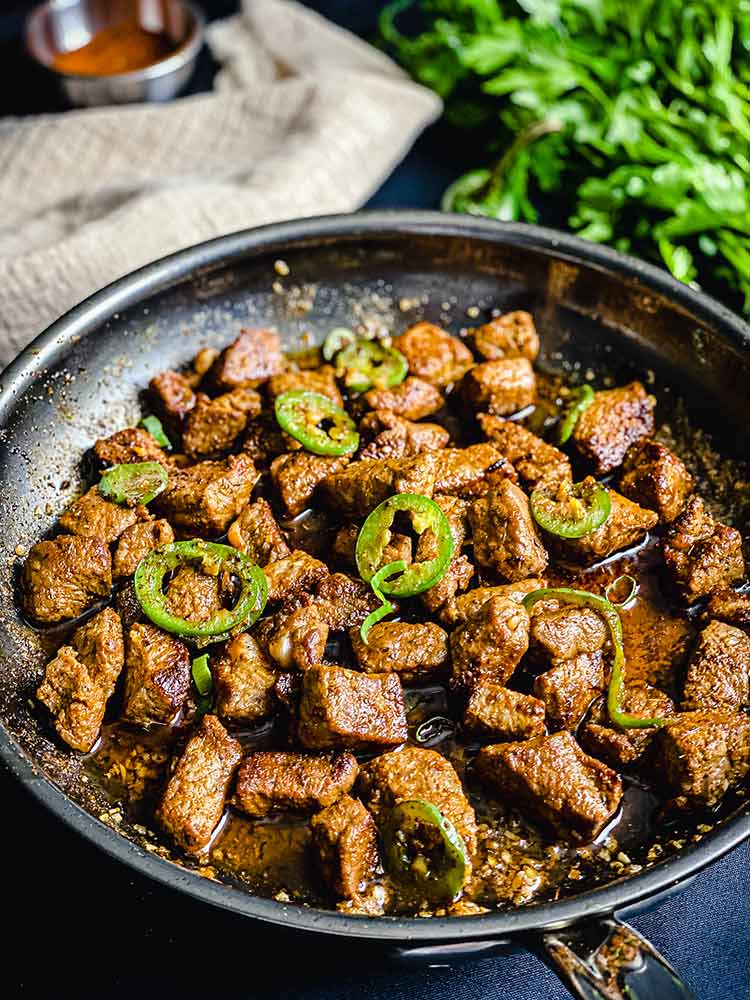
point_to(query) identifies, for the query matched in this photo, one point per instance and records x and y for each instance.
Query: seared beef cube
(322, 381)
(91, 516)
(193, 802)
(626, 525)
(361, 486)
(213, 425)
(417, 773)
(512, 335)
(136, 542)
(251, 359)
(297, 474)
(614, 420)
(206, 497)
(434, 355)
(63, 577)
(173, 398)
(500, 387)
(471, 472)
(264, 440)
(703, 755)
(128, 606)
(728, 606)
(490, 645)
(460, 570)
(391, 436)
(717, 675)
(501, 715)
(457, 577)
(536, 462)
(406, 648)
(301, 639)
(345, 602)
(505, 536)
(256, 533)
(564, 631)
(297, 572)
(455, 510)
(244, 681)
(412, 398)
(656, 478)
(133, 444)
(79, 681)
(195, 595)
(202, 362)
(621, 747)
(702, 554)
(460, 610)
(157, 676)
(345, 841)
(343, 708)
(569, 687)
(277, 781)
(556, 780)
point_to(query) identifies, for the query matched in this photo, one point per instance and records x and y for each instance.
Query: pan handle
(606, 959)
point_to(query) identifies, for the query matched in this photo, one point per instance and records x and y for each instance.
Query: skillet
(80, 380)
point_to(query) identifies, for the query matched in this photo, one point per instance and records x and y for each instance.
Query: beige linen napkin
(305, 119)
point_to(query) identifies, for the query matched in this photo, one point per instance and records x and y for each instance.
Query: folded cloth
(304, 119)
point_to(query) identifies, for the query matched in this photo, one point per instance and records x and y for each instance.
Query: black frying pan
(81, 379)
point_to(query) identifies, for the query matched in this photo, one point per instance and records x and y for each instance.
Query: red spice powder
(120, 48)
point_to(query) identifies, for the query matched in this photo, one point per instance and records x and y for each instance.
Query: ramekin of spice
(116, 51)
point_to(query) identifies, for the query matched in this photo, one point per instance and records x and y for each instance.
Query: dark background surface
(79, 925)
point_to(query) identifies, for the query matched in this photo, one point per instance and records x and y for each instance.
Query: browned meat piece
(195, 595)
(434, 355)
(136, 542)
(361, 486)
(457, 577)
(500, 387)
(460, 570)
(413, 399)
(264, 440)
(512, 335)
(249, 360)
(343, 708)
(563, 631)
(501, 715)
(173, 398)
(63, 577)
(569, 687)
(702, 554)
(133, 444)
(556, 780)
(206, 497)
(410, 649)
(128, 606)
(626, 525)
(345, 545)
(656, 478)
(505, 535)
(244, 681)
(416, 773)
(213, 425)
(344, 601)
(297, 474)
(391, 436)
(300, 641)
(296, 572)
(194, 800)
(322, 380)
(703, 755)
(91, 516)
(490, 645)
(536, 462)
(80, 680)
(717, 675)
(615, 420)
(467, 605)
(256, 533)
(345, 841)
(277, 781)
(157, 676)
(201, 363)
(621, 747)
(728, 606)
(471, 472)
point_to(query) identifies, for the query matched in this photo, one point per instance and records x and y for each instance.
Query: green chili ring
(149, 578)
(299, 412)
(589, 499)
(385, 605)
(403, 829)
(133, 483)
(580, 401)
(369, 363)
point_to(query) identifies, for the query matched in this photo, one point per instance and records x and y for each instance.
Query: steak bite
(556, 780)
(296, 476)
(195, 595)
(512, 335)
(345, 842)
(398, 548)
(251, 359)
(456, 577)
(500, 387)
(256, 533)
(300, 641)
(471, 472)
(506, 540)
(490, 645)
(615, 419)
(563, 631)
(133, 444)
(193, 802)
(409, 649)
(728, 606)
(214, 425)
(433, 354)
(361, 486)
(496, 713)
(63, 577)
(205, 498)
(295, 573)
(157, 676)
(276, 781)
(387, 435)
(702, 554)
(569, 687)
(460, 610)
(622, 747)
(654, 477)
(244, 681)
(136, 542)
(345, 602)
(173, 399)
(91, 516)
(717, 675)
(536, 462)
(79, 681)
(627, 525)
(412, 398)
(343, 708)
(322, 380)
(460, 571)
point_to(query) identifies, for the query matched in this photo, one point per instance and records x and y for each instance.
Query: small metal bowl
(64, 25)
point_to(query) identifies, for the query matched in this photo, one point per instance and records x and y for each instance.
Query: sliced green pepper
(385, 605)
(133, 484)
(423, 849)
(368, 363)
(576, 510)
(301, 414)
(155, 428)
(213, 558)
(336, 341)
(204, 684)
(580, 400)
(610, 614)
